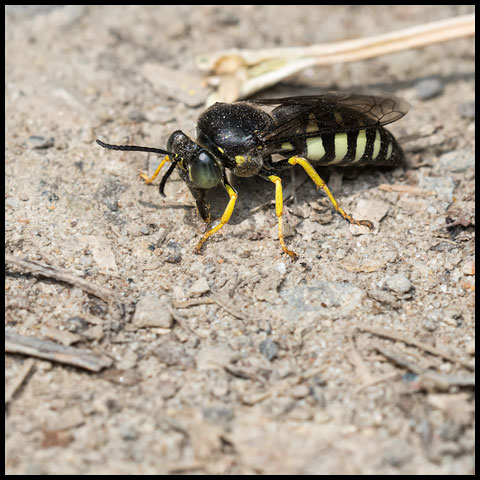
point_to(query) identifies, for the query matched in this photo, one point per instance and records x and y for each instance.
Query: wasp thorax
(247, 165)
(230, 131)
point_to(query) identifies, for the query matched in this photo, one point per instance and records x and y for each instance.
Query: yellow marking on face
(376, 145)
(221, 150)
(239, 159)
(180, 165)
(315, 148)
(361, 145)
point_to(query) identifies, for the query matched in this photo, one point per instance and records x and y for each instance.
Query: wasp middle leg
(279, 211)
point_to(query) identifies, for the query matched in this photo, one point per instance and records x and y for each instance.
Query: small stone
(300, 391)
(172, 354)
(430, 324)
(457, 161)
(12, 202)
(281, 268)
(37, 142)
(399, 283)
(467, 109)
(429, 88)
(152, 312)
(174, 258)
(76, 324)
(199, 287)
(452, 317)
(468, 268)
(269, 349)
(85, 260)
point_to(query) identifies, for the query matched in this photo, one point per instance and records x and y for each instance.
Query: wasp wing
(334, 112)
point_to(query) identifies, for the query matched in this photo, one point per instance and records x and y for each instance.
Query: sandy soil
(356, 359)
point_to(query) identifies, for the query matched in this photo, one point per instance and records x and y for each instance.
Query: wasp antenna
(133, 148)
(170, 170)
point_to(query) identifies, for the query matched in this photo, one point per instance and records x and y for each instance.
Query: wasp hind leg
(224, 218)
(279, 211)
(311, 172)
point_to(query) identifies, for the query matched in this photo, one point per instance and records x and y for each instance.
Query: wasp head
(197, 166)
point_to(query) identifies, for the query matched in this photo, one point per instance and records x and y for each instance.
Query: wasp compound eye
(204, 171)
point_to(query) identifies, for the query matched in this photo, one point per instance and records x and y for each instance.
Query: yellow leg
(279, 210)
(311, 172)
(157, 171)
(224, 219)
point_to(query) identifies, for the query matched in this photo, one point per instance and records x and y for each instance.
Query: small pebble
(467, 109)
(430, 324)
(76, 324)
(12, 202)
(86, 260)
(399, 283)
(281, 268)
(199, 287)
(151, 311)
(174, 258)
(37, 142)
(300, 391)
(269, 349)
(457, 161)
(429, 88)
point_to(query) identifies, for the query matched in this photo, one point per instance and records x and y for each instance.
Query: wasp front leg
(224, 218)
(148, 179)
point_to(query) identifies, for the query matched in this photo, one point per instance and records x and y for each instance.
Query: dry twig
(48, 271)
(240, 73)
(34, 347)
(392, 335)
(440, 380)
(12, 389)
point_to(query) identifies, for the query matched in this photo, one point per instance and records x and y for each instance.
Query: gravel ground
(356, 359)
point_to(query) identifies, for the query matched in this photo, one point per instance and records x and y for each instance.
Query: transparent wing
(333, 112)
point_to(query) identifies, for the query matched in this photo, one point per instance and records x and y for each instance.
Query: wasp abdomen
(371, 146)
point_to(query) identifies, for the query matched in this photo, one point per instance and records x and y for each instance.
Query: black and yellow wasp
(340, 129)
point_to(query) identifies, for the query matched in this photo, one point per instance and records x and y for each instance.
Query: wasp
(265, 137)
